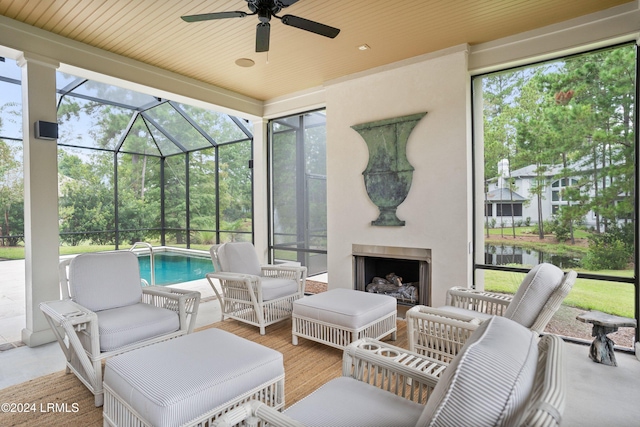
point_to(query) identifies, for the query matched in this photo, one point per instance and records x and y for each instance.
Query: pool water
(171, 268)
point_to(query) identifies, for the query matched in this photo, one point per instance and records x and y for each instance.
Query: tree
(85, 202)
(202, 192)
(11, 194)
(573, 121)
(235, 186)
(604, 89)
(499, 91)
(534, 138)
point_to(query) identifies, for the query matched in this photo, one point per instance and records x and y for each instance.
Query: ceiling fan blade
(314, 27)
(262, 36)
(210, 16)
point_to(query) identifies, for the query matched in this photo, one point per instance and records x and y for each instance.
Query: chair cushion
(345, 401)
(345, 307)
(489, 382)
(534, 292)
(100, 281)
(239, 257)
(274, 287)
(132, 323)
(176, 381)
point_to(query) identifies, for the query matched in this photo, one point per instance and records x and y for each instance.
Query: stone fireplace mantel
(418, 254)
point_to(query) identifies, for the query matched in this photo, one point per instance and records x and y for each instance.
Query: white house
(519, 203)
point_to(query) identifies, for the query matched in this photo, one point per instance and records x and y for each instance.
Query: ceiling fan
(266, 9)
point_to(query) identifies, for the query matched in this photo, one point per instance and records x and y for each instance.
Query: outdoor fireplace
(375, 265)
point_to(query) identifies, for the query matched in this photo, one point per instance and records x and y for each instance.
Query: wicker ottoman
(340, 316)
(190, 380)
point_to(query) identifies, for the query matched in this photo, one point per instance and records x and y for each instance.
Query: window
(560, 187)
(509, 209)
(133, 167)
(297, 149)
(559, 139)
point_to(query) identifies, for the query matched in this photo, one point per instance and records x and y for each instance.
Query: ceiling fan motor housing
(265, 8)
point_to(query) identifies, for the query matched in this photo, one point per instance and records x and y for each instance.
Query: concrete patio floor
(12, 301)
(598, 394)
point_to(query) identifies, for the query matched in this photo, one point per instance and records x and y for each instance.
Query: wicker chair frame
(441, 334)
(414, 376)
(79, 326)
(241, 295)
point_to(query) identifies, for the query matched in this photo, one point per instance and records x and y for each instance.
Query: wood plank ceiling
(151, 31)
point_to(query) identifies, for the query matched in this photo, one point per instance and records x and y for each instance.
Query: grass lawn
(608, 297)
(531, 230)
(17, 252)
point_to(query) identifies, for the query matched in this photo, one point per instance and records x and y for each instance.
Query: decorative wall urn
(388, 175)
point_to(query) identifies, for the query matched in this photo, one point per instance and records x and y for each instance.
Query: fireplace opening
(403, 273)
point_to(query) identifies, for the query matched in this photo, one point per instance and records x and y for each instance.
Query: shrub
(560, 228)
(562, 232)
(623, 233)
(608, 251)
(549, 226)
(204, 237)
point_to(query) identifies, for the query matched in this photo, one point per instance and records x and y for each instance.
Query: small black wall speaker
(46, 130)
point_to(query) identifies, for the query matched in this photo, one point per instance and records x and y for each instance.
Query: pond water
(504, 254)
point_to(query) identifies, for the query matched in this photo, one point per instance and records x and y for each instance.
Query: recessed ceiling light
(364, 47)
(245, 62)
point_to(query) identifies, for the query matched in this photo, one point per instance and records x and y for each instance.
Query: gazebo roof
(156, 127)
(149, 125)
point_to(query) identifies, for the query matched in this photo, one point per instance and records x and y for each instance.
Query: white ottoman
(190, 380)
(340, 316)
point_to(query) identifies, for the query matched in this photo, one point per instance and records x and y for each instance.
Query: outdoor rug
(60, 399)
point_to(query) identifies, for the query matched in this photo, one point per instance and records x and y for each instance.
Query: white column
(40, 195)
(260, 185)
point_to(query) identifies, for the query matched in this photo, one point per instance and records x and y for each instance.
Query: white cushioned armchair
(105, 311)
(504, 376)
(441, 332)
(251, 293)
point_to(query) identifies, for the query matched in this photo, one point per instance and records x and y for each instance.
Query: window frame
(479, 207)
(303, 254)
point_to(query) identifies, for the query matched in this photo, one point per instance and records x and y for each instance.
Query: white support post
(260, 185)
(41, 236)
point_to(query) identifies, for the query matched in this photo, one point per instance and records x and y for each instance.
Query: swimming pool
(174, 267)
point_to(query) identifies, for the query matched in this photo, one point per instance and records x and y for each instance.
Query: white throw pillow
(489, 382)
